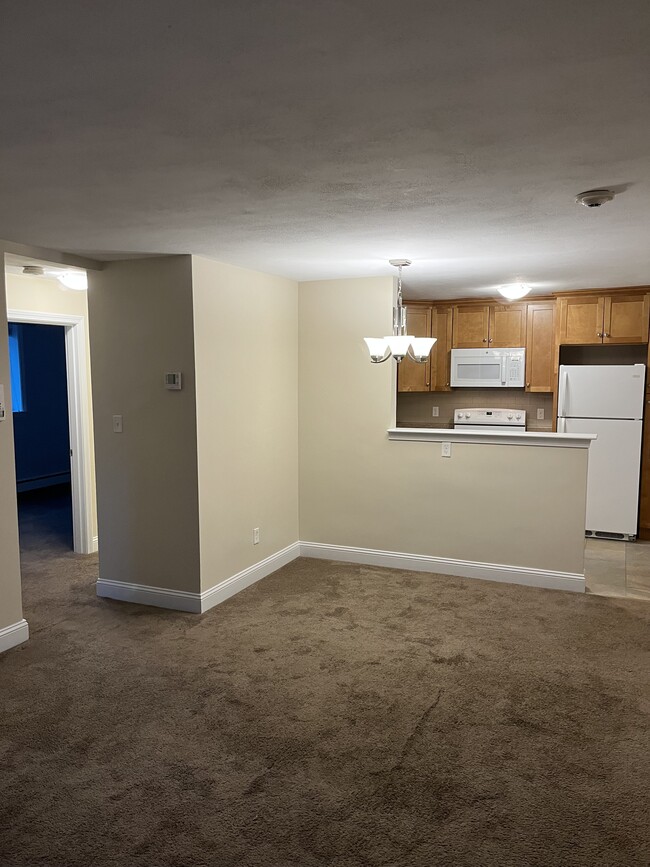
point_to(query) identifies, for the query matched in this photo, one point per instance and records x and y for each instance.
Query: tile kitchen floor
(617, 568)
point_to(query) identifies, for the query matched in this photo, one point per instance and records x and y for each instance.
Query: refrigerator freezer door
(613, 474)
(601, 391)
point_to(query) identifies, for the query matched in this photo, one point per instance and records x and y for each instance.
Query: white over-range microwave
(488, 368)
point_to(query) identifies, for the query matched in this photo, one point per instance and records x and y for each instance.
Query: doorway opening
(41, 435)
(51, 408)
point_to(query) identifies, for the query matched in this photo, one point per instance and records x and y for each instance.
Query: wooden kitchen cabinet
(434, 321)
(441, 329)
(410, 375)
(597, 319)
(480, 326)
(540, 345)
(471, 326)
(507, 325)
(625, 319)
(581, 319)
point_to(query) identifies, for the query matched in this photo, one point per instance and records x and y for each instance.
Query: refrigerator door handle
(563, 390)
(561, 425)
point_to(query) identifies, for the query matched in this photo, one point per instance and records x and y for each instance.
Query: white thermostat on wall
(173, 381)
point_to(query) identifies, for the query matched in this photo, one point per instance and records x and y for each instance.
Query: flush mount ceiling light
(77, 280)
(594, 198)
(33, 270)
(399, 344)
(513, 291)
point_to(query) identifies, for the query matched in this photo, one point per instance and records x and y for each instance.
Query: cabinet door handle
(607, 334)
(527, 385)
(485, 340)
(490, 340)
(599, 334)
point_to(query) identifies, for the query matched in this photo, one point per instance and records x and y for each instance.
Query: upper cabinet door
(507, 325)
(581, 320)
(540, 339)
(440, 329)
(626, 319)
(471, 326)
(412, 376)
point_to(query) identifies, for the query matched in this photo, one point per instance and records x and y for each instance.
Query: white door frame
(78, 417)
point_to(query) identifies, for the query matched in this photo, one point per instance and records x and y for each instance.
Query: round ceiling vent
(594, 198)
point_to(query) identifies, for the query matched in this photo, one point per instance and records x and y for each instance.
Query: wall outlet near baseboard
(446, 450)
(256, 536)
(540, 413)
(435, 411)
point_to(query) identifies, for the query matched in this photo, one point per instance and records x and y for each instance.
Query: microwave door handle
(503, 370)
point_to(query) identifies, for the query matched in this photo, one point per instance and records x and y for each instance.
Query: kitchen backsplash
(416, 409)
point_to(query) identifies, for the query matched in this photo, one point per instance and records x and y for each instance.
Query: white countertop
(495, 437)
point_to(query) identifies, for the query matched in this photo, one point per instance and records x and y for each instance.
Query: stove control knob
(518, 416)
(467, 415)
(509, 416)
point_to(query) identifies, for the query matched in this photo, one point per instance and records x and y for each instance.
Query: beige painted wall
(246, 350)
(520, 506)
(141, 326)
(42, 295)
(10, 593)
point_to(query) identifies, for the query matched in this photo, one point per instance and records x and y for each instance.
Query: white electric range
(476, 418)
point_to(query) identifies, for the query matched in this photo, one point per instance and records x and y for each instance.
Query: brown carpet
(329, 715)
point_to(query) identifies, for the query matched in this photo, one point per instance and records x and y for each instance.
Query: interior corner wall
(246, 352)
(10, 587)
(515, 506)
(42, 295)
(141, 326)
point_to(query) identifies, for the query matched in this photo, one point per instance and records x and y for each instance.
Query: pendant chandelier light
(399, 344)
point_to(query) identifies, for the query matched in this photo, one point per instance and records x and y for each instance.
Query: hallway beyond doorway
(45, 520)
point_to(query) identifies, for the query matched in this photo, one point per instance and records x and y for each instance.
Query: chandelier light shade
(514, 291)
(400, 343)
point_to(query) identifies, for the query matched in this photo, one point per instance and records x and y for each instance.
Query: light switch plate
(540, 413)
(435, 411)
(117, 424)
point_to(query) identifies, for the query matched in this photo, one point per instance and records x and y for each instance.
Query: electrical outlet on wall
(446, 450)
(256, 536)
(435, 411)
(540, 413)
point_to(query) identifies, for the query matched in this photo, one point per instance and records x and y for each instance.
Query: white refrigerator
(607, 400)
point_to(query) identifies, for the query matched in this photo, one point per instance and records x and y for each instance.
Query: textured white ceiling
(318, 140)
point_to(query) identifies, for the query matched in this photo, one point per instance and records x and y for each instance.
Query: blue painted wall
(41, 431)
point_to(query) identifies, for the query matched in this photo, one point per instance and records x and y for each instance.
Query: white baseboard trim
(143, 594)
(227, 588)
(573, 581)
(13, 635)
(197, 603)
